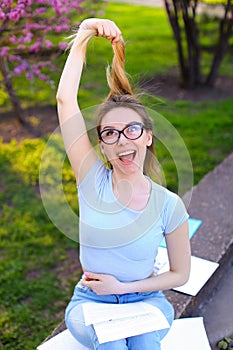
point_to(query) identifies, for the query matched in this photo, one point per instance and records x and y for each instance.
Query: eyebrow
(108, 127)
(112, 127)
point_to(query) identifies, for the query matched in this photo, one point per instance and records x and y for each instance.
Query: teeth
(125, 153)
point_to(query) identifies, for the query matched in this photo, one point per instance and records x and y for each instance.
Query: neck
(135, 180)
(132, 190)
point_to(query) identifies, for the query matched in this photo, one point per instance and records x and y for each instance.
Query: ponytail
(116, 75)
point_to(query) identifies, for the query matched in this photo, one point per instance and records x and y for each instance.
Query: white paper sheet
(100, 312)
(201, 271)
(185, 333)
(118, 321)
(161, 263)
(129, 326)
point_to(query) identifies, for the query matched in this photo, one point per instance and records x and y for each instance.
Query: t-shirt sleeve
(175, 213)
(93, 176)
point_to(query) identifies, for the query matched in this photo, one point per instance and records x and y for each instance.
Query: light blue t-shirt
(117, 240)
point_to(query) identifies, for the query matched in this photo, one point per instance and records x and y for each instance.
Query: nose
(122, 139)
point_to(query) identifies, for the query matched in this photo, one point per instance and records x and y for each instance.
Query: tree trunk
(11, 92)
(192, 38)
(189, 63)
(174, 22)
(225, 32)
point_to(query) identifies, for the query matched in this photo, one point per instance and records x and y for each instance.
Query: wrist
(124, 288)
(146, 285)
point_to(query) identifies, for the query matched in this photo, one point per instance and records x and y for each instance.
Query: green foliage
(226, 343)
(215, 2)
(3, 97)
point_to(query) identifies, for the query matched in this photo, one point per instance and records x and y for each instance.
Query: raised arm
(78, 147)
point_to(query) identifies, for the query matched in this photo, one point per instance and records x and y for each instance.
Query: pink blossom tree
(25, 38)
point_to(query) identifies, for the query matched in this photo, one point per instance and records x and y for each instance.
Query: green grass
(32, 254)
(206, 129)
(35, 279)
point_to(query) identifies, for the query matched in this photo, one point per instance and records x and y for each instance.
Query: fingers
(112, 32)
(104, 28)
(108, 30)
(90, 276)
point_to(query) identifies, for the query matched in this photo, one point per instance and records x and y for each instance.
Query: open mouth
(127, 157)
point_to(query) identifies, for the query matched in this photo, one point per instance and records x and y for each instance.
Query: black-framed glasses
(131, 131)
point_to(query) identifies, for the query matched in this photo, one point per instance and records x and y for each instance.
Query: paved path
(216, 10)
(212, 203)
(218, 312)
(152, 3)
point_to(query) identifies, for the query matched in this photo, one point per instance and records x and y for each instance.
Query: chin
(128, 169)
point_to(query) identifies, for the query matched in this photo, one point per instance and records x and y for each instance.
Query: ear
(149, 138)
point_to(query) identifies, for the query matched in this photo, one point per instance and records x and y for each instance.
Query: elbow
(182, 278)
(184, 275)
(63, 95)
(59, 98)
(64, 99)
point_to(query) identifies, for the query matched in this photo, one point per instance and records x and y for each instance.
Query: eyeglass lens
(132, 132)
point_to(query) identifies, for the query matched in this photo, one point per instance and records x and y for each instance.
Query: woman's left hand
(102, 284)
(103, 27)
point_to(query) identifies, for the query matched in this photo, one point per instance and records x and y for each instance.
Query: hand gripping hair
(116, 75)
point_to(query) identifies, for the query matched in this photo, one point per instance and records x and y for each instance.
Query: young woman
(123, 213)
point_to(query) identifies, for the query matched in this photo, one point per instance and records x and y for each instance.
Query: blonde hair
(121, 95)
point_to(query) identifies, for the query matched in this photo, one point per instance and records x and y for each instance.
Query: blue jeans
(86, 334)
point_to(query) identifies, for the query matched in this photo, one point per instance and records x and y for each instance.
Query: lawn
(38, 263)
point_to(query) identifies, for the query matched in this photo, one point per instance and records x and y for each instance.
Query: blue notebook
(194, 225)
